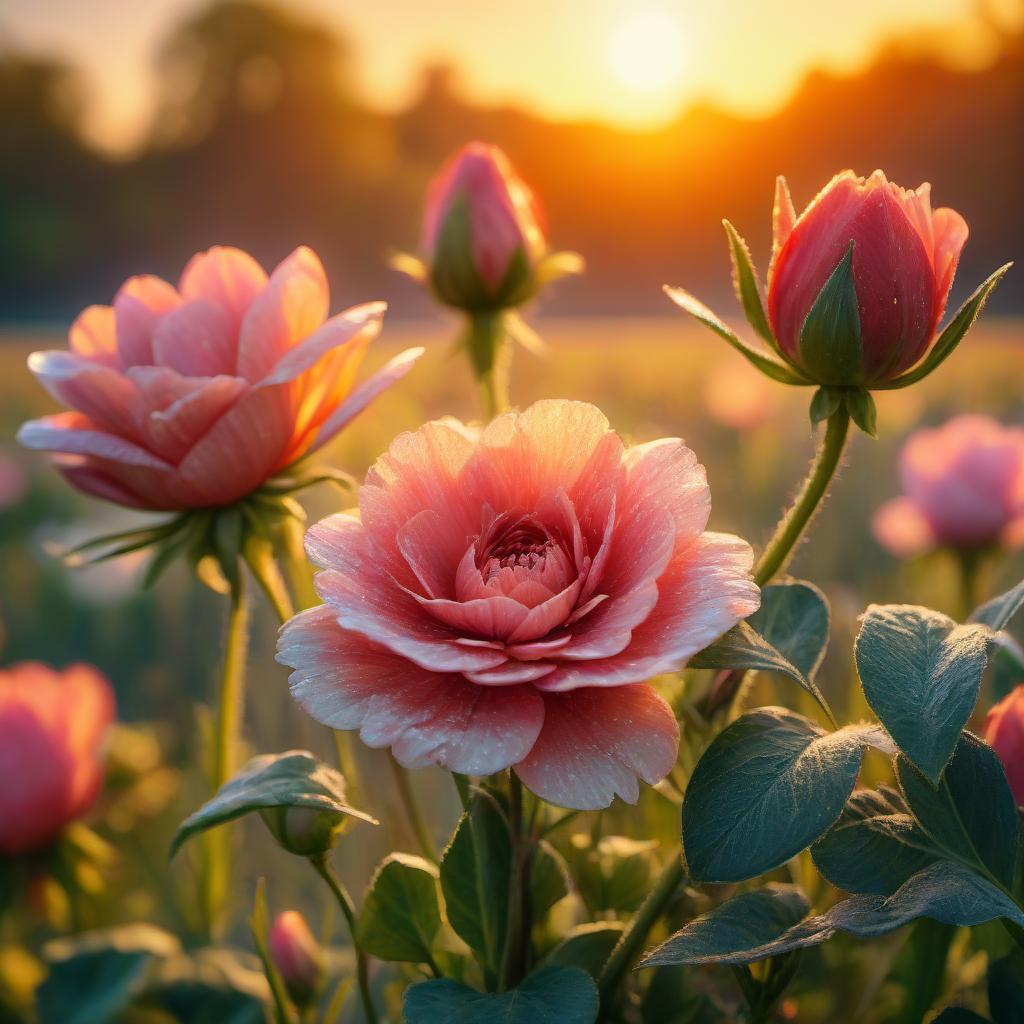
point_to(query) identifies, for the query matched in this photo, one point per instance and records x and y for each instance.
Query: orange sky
(634, 63)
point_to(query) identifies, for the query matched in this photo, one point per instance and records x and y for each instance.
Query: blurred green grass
(650, 377)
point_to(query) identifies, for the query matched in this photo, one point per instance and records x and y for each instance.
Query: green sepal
(748, 291)
(825, 402)
(952, 335)
(861, 407)
(830, 346)
(784, 373)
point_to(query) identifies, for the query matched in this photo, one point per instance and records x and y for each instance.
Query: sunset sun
(647, 51)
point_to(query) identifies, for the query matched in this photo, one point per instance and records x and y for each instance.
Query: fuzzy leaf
(921, 674)
(768, 786)
(997, 613)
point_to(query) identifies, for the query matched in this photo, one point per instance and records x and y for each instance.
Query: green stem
(412, 810)
(795, 521)
(267, 574)
(772, 561)
(229, 716)
(969, 566)
(629, 947)
(326, 872)
(490, 355)
(513, 959)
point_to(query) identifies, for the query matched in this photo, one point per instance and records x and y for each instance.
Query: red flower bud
(1004, 732)
(482, 233)
(297, 955)
(903, 256)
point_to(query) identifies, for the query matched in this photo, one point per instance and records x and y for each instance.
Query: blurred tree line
(258, 140)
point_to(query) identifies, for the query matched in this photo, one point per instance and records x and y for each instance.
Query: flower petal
(228, 278)
(76, 434)
(196, 339)
(347, 682)
(93, 335)
(596, 743)
(102, 393)
(138, 307)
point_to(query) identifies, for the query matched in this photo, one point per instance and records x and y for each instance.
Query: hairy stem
(326, 872)
(229, 716)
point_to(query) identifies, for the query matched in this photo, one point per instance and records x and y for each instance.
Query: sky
(633, 63)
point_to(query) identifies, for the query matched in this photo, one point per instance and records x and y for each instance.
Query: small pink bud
(904, 256)
(1004, 732)
(482, 233)
(297, 955)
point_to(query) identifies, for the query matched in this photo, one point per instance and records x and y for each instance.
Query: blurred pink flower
(296, 954)
(1004, 732)
(740, 397)
(505, 595)
(964, 488)
(904, 257)
(52, 725)
(480, 215)
(192, 397)
(13, 482)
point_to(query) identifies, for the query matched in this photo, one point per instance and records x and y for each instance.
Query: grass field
(650, 377)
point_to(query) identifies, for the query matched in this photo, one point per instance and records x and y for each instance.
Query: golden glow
(647, 51)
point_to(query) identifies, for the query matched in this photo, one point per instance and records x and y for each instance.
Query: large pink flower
(964, 488)
(504, 597)
(52, 726)
(904, 257)
(193, 396)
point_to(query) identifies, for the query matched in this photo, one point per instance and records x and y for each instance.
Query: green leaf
(726, 934)
(745, 281)
(292, 779)
(971, 815)
(670, 999)
(953, 334)
(767, 364)
(875, 846)
(830, 347)
(552, 995)
(997, 613)
(767, 787)
(549, 879)
(1006, 989)
(861, 407)
(944, 891)
(587, 946)
(475, 878)
(400, 916)
(614, 875)
(211, 986)
(787, 634)
(93, 977)
(825, 403)
(921, 674)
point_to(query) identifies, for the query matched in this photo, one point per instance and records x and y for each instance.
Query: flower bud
(482, 235)
(304, 831)
(858, 283)
(297, 955)
(963, 487)
(1004, 732)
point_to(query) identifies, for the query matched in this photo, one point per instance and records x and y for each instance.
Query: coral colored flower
(52, 726)
(193, 396)
(296, 954)
(482, 233)
(1004, 732)
(504, 597)
(964, 488)
(904, 257)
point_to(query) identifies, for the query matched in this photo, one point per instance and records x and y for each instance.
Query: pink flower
(296, 954)
(52, 726)
(482, 232)
(193, 396)
(964, 488)
(505, 595)
(904, 258)
(1004, 733)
